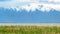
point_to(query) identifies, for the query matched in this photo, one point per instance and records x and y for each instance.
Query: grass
(29, 30)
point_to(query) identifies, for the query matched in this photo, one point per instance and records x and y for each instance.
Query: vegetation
(29, 30)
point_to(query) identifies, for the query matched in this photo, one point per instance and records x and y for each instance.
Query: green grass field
(29, 30)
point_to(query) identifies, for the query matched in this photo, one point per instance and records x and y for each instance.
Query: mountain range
(23, 16)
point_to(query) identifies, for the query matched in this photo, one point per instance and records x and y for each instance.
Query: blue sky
(4, 0)
(30, 11)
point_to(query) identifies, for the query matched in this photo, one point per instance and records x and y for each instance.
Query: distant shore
(30, 24)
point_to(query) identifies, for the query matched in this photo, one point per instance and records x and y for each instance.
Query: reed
(29, 30)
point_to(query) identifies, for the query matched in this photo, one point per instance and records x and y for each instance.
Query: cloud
(56, 0)
(30, 5)
(16, 3)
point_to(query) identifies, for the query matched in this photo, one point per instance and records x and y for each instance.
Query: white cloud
(46, 7)
(16, 3)
(56, 0)
(54, 6)
(50, 0)
(30, 5)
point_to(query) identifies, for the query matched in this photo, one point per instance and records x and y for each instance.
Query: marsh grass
(29, 30)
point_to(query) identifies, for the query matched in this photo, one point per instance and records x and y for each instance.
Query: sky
(30, 11)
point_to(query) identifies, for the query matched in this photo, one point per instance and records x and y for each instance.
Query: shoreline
(29, 24)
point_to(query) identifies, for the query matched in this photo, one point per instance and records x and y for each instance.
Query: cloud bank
(31, 5)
